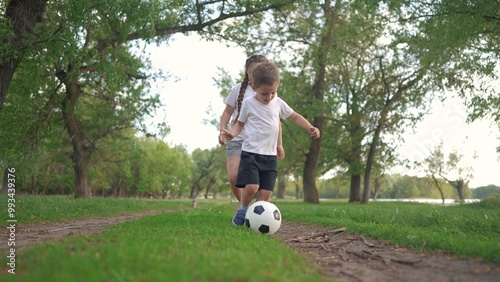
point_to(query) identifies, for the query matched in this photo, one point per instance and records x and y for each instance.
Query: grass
(201, 245)
(188, 245)
(36, 209)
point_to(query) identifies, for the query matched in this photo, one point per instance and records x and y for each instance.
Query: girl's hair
(265, 74)
(244, 84)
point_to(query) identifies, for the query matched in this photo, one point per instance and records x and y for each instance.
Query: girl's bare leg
(233, 163)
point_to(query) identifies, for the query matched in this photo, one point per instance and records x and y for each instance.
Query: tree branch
(159, 32)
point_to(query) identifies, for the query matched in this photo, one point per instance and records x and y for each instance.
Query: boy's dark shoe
(239, 217)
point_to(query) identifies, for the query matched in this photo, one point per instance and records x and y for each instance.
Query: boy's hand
(314, 132)
(281, 152)
(227, 135)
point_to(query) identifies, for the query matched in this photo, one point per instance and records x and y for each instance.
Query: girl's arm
(302, 122)
(224, 121)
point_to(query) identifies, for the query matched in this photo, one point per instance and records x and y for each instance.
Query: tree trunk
(4, 185)
(460, 190)
(439, 187)
(297, 191)
(34, 180)
(7, 69)
(123, 187)
(376, 187)
(119, 190)
(370, 160)
(353, 159)
(23, 15)
(81, 151)
(355, 188)
(311, 194)
(209, 186)
(281, 187)
(81, 161)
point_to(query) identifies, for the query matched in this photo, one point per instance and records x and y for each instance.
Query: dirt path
(339, 255)
(350, 257)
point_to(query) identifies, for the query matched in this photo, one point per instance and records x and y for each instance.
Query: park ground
(340, 255)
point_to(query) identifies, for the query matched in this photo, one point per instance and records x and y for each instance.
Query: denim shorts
(233, 148)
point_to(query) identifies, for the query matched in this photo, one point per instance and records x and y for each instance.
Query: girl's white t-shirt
(262, 123)
(232, 100)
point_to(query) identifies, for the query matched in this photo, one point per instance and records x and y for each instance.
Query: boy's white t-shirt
(262, 123)
(232, 100)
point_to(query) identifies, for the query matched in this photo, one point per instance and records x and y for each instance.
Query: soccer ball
(264, 217)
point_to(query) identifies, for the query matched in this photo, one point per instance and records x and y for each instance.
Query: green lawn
(202, 245)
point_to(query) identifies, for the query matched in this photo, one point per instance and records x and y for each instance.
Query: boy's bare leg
(248, 194)
(264, 195)
(246, 197)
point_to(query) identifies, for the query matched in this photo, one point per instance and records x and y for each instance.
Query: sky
(190, 91)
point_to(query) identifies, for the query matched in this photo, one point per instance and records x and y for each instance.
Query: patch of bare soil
(348, 257)
(339, 255)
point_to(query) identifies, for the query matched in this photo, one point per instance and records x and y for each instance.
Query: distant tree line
(486, 191)
(397, 186)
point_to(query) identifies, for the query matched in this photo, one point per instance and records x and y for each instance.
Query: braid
(243, 88)
(244, 84)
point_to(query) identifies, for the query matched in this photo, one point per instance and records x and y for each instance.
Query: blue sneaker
(239, 217)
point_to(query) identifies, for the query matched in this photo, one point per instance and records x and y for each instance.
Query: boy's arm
(302, 122)
(279, 149)
(237, 128)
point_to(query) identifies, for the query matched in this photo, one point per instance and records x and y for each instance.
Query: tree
(343, 78)
(206, 170)
(461, 174)
(99, 64)
(161, 170)
(111, 166)
(433, 166)
(277, 32)
(451, 169)
(400, 92)
(379, 87)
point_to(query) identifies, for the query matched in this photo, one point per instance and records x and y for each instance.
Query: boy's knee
(264, 195)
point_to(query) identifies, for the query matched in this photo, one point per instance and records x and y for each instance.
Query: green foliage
(458, 41)
(340, 69)
(486, 191)
(208, 171)
(83, 69)
(125, 166)
(394, 187)
(374, 45)
(161, 169)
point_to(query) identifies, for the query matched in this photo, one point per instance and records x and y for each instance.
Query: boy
(260, 115)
